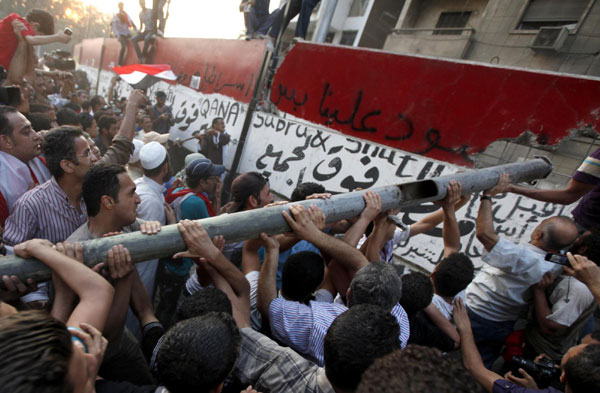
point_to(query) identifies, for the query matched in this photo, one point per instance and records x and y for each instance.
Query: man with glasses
(56, 208)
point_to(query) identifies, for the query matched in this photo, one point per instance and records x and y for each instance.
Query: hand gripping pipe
(249, 224)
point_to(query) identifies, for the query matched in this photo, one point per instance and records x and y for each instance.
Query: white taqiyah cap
(152, 155)
(135, 157)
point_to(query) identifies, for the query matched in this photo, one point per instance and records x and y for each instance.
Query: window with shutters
(454, 20)
(542, 13)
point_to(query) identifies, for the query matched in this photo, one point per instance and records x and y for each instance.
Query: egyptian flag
(142, 76)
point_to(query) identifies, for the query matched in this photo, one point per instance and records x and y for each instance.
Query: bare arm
(471, 358)
(47, 39)
(347, 255)
(267, 280)
(434, 219)
(95, 293)
(140, 301)
(574, 190)
(18, 63)
(485, 219)
(450, 231)
(121, 272)
(371, 210)
(201, 246)
(585, 271)
(127, 129)
(442, 323)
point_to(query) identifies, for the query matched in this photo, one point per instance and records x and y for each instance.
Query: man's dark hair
(67, 117)
(72, 106)
(303, 190)
(582, 372)
(85, 105)
(105, 122)
(39, 121)
(301, 275)
(215, 120)
(43, 18)
(155, 171)
(40, 108)
(453, 274)
(100, 180)
(242, 187)
(417, 292)
(86, 120)
(417, 369)
(59, 144)
(197, 354)
(590, 246)
(376, 283)
(354, 340)
(161, 94)
(95, 101)
(36, 350)
(6, 128)
(202, 302)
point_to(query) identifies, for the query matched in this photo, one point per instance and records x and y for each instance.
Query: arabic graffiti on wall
(291, 151)
(443, 109)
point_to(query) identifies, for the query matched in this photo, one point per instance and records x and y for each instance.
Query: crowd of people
(321, 308)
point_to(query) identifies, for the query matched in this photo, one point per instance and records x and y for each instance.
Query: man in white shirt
(500, 291)
(155, 162)
(120, 23)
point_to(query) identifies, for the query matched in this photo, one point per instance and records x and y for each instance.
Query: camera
(60, 60)
(543, 371)
(9, 95)
(68, 31)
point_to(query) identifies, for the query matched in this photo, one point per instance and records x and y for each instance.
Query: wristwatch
(485, 197)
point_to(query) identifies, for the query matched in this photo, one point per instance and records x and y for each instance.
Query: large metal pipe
(249, 224)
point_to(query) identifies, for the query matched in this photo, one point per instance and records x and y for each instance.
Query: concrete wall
(497, 41)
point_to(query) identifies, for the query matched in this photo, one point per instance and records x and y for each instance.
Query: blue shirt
(303, 327)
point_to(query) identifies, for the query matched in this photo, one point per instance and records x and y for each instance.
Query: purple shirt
(587, 212)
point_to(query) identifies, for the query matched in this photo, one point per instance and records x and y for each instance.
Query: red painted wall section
(228, 67)
(441, 109)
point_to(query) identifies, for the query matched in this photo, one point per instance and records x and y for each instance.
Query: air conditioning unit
(550, 38)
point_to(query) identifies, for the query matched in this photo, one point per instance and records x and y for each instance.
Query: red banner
(442, 109)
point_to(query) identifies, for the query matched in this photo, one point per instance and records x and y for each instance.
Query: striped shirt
(271, 368)
(303, 327)
(45, 213)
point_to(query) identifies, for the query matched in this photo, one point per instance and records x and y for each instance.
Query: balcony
(452, 42)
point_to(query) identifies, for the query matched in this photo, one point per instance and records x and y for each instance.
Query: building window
(457, 20)
(348, 37)
(541, 13)
(358, 7)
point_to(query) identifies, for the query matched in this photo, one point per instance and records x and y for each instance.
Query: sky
(190, 18)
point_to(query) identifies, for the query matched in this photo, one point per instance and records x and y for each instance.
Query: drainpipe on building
(325, 20)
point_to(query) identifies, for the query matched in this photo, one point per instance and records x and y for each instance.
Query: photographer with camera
(18, 36)
(580, 367)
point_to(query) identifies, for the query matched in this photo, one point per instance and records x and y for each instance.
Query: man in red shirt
(17, 37)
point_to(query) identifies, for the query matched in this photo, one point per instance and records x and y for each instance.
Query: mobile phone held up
(559, 259)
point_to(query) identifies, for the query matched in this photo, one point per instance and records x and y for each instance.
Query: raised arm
(95, 293)
(571, 193)
(267, 280)
(471, 357)
(127, 129)
(48, 39)
(201, 246)
(450, 231)
(486, 233)
(585, 271)
(303, 226)
(371, 210)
